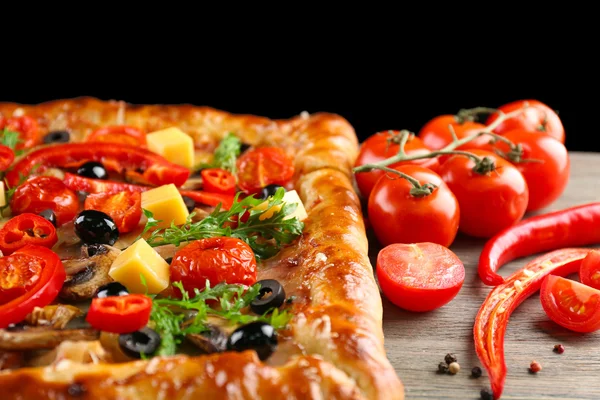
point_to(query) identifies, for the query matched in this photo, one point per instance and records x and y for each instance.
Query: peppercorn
(476, 372)
(486, 394)
(453, 368)
(559, 348)
(442, 367)
(535, 367)
(450, 358)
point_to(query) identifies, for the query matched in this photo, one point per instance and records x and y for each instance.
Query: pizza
(178, 251)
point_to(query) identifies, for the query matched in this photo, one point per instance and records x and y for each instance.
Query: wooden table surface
(417, 342)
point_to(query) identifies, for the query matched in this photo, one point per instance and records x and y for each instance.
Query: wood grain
(416, 343)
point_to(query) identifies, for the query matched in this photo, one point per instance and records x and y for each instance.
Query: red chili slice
(217, 180)
(120, 314)
(26, 229)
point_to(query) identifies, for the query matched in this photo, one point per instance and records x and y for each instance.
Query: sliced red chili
(492, 318)
(118, 157)
(28, 129)
(26, 229)
(217, 180)
(7, 156)
(119, 134)
(120, 314)
(30, 277)
(209, 199)
(125, 208)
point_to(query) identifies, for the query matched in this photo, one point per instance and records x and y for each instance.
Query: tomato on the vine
(436, 133)
(383, 145)
(538, 117)
(490, 200)
(399, 217)
(589, 273)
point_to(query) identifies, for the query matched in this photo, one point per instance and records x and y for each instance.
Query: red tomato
(398, 217)
(217, 259)
(419, 276)
(488, 202)
(217, 180)
(26, 229)
(124, 208)
(119, 134)
(546, 178)
(436, 134)
(7, 156)
(43, 192)
(30, 277)
(28, 129)
(263, 166)
(383, 145)
(536, 118)
(589, 273)
(120, 314)
(571, 304)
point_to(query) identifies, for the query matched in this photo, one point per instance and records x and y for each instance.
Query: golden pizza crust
(338, 312)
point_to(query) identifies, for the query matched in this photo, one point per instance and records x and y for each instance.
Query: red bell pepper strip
(571, 227)
(217, 180)
(90, 185)
(30, 277)
(118, 157)
(119, 134)
(120, 314)
(26, 229)
(492, 318)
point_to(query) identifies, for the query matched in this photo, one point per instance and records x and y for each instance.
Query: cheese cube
(166, 204)
(2, 195)
(289, 197)
(173, 144)
(137, 260)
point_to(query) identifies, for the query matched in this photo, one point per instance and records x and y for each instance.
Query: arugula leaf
(264, 235)
(226, 153)
(10, 139)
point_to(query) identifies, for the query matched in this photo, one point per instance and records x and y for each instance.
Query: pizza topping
(56, 316)
(268, 191)
(212, 340)
(129, 135)
(139, 343)
(263, 166)
(258, 336)
(217, 180)
(7, 156)
(57, 137)
(124, 208)
(93, 169)
(190, 203)
(271, 295)
(120, 314)
(27, 128)
(96, 227)
(26, 229)
(174, 145)
(166, 205)
(39, 338)
(226, 153)
(111, 289)
(49, 216)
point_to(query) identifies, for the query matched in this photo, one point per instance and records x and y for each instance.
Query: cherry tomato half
(436, 134)
(26, 229)
(28, 129)
(263, 166)
(488, 202)
(119, 314)
(217, 180)
(589, 273)
(217, 259)
(7, 156)
(399, 217)
(571, 304)
(30, 277)
(119, 134)
(124, 208)
(384, 145)
(537, 118)
(45, 192)
(419, 276)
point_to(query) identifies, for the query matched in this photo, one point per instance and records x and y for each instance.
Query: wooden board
(416, 343)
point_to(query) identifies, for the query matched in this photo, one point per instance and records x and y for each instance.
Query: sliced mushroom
(110, 343)
(55, 316)
(212, 341)
(42, 338)
(88, 352)
(89, 272)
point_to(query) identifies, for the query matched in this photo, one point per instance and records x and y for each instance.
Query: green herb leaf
(10, 139)
(226, 153)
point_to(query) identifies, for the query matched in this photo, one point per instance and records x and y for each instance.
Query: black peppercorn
(486, 394)
(442, 367)
(476, 372)
(450, 358)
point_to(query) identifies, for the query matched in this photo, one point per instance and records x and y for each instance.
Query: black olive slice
(268, 191)
(271, 295)
(258, 336)
(134, 344)
(111, 289)
(57, 137)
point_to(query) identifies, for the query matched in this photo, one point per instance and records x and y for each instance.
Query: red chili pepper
(492, 318)
(7, 156)
(120, 314)
(26, 229)
(571, 227)
(119, 157)
(30, 277)
(217, 180)
(119, 134)
(125, 208)
(209, 199)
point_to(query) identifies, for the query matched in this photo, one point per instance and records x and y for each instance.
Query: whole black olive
(49, 215)
(258, 336)
(268, 191)
(57, 137)
(263, 303)
(134, 344)
(111, 289)
(189, 203)
(93, 226)
(93, 169)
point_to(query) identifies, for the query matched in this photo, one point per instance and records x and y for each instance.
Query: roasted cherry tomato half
(537, 117)
(120, 314)
(124, 208)
(26, 229)
(589, 273)
(30, 277)
(396, 216)
(217, 259)
(119, 134)
(27, 128)
(571, 304)
(384, 145)
(217, 180)
(263, 166)
(7, 156)
(419, 276)
(489, 201)
(45, 192)
(436, 133)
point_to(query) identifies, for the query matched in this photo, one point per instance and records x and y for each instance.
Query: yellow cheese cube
(173, 144)
(166, 205)
(137, 260)
(289, 197)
